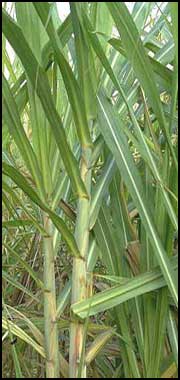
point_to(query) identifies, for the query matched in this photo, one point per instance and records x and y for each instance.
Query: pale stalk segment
(79, 276)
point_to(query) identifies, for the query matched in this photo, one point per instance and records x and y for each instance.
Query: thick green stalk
(79, 277)
(50, 325)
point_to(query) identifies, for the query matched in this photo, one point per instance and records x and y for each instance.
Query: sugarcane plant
(89, 190)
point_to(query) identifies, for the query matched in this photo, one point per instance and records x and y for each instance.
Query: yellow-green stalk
(50, 325)
(79, 277)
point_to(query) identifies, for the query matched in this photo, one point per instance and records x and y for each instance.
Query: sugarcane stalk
(50, 325)
(79, 275)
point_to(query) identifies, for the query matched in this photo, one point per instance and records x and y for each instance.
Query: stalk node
(54, 321)
(82, 258)
(47, 291)
(50, 361)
